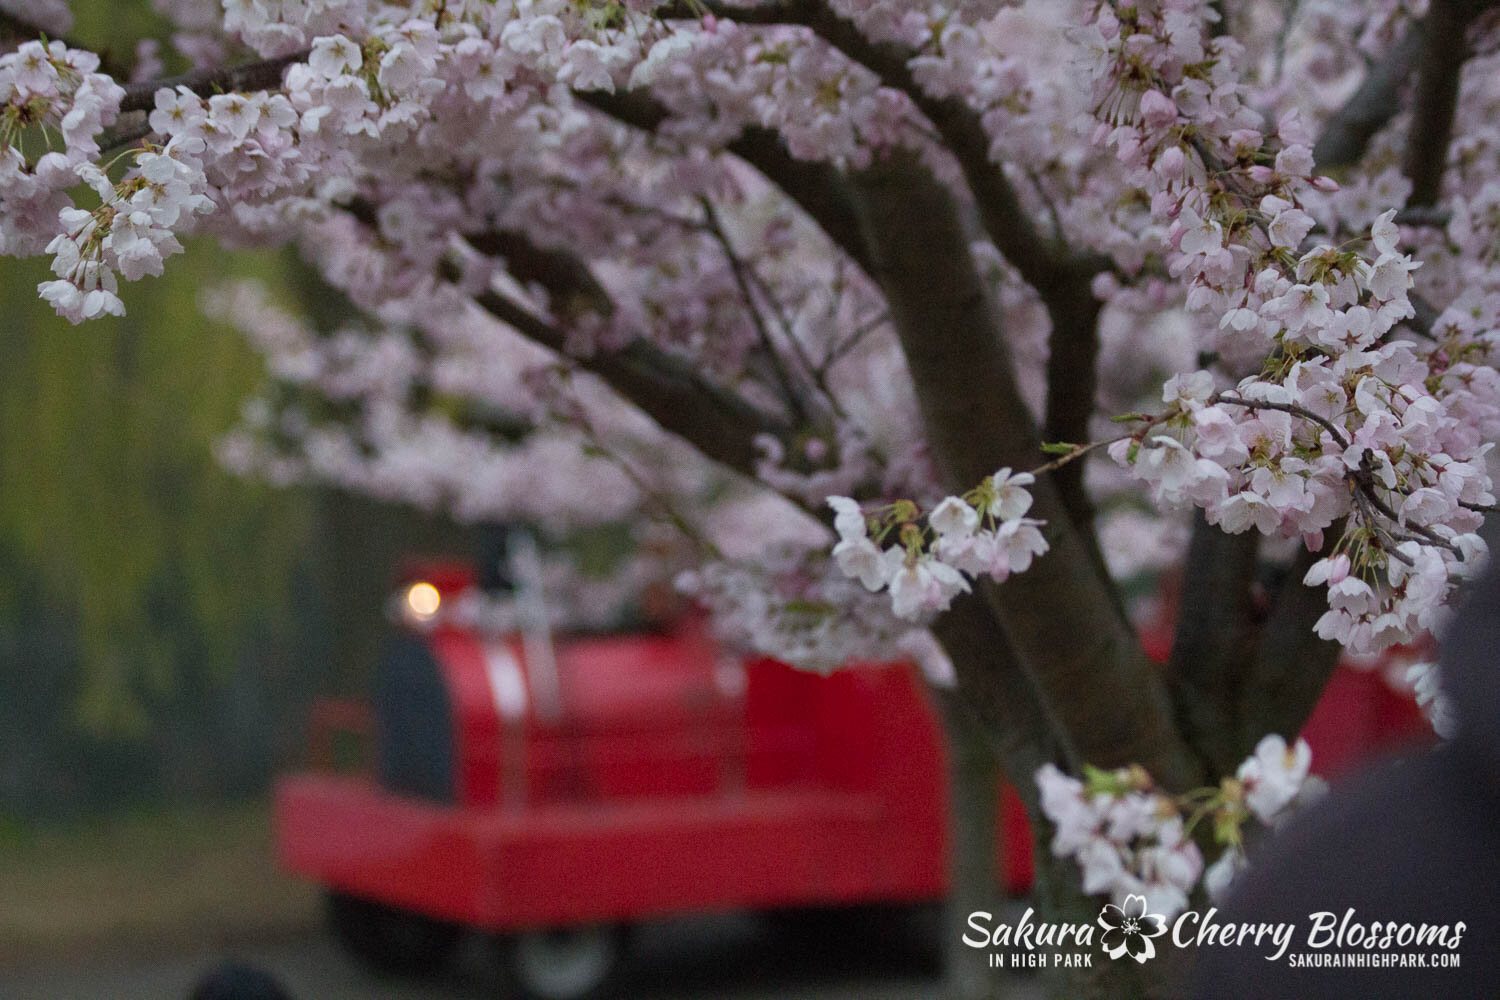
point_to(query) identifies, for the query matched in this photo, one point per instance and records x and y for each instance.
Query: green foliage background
(111, 494)
(138, 580)
(164, 624)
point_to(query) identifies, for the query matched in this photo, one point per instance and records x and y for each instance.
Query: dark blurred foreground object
(234, 981)
(1414, 841)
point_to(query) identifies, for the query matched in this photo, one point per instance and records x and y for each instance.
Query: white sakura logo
(1128, 929)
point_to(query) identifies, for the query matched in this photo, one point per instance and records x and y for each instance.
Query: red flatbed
(587, 862)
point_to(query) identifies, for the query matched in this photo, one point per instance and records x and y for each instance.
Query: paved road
(723, 958)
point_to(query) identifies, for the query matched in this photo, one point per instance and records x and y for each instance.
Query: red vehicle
(555, 796)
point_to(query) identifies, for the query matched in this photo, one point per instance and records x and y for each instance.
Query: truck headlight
(422, 601)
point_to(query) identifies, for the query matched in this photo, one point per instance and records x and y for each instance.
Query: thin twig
(785, 323)
(130, 128)
(843, 347)
(1362, 500)
(1079, 451)
(737, 267)
(1292, 408)
(679, 520)
(1366, 478)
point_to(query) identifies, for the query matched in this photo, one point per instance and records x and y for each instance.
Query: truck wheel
(390, 939)
(572, 963)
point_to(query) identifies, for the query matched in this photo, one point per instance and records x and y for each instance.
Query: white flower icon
(1128, 929)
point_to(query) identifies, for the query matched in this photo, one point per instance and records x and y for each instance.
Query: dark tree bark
(1371, 107)
(1060, 617)
(1214, 642)
(973, 775)
(1444, 48)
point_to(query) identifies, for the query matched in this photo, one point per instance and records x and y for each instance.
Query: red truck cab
(639, 775)
(554, 794)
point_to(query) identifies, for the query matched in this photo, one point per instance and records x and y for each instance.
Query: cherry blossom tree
(922, 327)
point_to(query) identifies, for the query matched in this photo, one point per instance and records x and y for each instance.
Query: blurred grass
(151, 883)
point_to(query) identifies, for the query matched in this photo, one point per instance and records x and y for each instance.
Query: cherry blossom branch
(1365, 476)
(669, 390)
(1363, 479)
(1369, 515)
(1078, 451)
(680, 398)
(570, 285)
(819, 189)
(737, 268)
(131, 127)
(1005, 220)
(263, 75)
(1291, 408)
(1061, 279)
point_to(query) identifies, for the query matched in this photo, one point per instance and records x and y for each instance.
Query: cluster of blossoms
(1293, 457)
(381, 92)
(819, 621)
(55, 108)
(984, 533)
(1129, 837)
(1344, 424)
(339, 411)
(129, 233)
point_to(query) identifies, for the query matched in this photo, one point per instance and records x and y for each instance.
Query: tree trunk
(1061, 619)
(1059, 898)
(973, 778)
